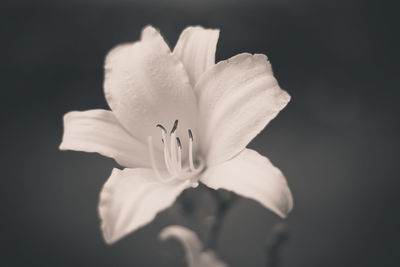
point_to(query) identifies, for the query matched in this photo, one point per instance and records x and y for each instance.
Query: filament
(173, 157)
(191, 165)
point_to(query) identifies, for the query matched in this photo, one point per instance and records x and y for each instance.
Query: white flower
(194, 253)
(215, 110)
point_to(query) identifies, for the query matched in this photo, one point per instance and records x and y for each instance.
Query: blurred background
(336, 141)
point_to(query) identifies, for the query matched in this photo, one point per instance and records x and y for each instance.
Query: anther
(174, 127)
(179, 143)
(173, 157)
(190, 134)
(161, 127)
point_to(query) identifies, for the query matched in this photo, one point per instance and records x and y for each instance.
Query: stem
(224, 201)
(187, 203)
(274, 244)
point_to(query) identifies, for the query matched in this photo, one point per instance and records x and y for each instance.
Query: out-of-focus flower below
(194, 253)
(214, 111)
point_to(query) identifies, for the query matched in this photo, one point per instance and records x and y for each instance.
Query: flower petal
(145, 85)
(196, 48)
(253, 176)
(131, 198)
(195, 256)
(99, 131)
(238, 97)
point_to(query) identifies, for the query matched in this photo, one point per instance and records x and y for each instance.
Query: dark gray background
(337, 141)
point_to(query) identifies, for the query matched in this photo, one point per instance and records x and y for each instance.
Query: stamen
(154, 165)
(173, 158)
(166, 158)
(190, 134)
(191, 165)
(174, 127)
(163, 132)
(173, 151)
(179, 143)
(179, 154)
(161, 127)
(166, 152)
(152, 160)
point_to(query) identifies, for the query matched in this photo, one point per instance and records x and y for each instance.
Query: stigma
(177, 168)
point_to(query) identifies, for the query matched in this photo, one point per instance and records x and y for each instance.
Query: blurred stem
(187, 204)
(224, 201)
(275, 241)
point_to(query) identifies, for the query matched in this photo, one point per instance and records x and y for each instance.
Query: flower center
(174, 164)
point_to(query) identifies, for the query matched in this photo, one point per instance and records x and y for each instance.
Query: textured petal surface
(99, 131)
(253, 176)
(238, 97)
(145, 84)
(131, 198)
(195, 256)
(196, 48)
